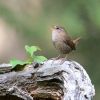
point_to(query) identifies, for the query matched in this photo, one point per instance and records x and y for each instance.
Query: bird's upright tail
(76, 41)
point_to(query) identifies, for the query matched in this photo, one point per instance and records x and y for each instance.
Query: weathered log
(48, 81)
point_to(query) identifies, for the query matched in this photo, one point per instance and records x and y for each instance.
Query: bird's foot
(63, 60)
(54, 59)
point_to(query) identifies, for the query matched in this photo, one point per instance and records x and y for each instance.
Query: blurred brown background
(28, 22)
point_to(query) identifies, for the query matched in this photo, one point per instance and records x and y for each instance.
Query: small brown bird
(62, 41)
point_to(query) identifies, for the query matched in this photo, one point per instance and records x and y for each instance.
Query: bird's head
(57, 29)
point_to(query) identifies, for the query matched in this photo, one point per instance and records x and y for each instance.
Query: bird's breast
(56, 36)
(58, 41)
(62, 47)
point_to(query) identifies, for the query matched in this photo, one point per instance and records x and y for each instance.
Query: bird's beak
(52, 28)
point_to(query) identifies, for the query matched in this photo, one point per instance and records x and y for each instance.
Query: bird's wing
(70, 43)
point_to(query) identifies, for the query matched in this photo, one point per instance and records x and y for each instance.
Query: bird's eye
(57, 27)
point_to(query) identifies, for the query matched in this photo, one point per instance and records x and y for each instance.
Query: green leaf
(40, 59)
(16, 62)
(31, 49)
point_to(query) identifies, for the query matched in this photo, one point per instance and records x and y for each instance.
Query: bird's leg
(64, 59)
(56, 58)
(66, 56)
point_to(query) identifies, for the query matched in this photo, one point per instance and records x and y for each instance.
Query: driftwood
(48, 81)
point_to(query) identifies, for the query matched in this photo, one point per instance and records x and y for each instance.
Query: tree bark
(48, 81)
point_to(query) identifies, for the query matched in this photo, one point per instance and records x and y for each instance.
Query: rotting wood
(48, 81)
